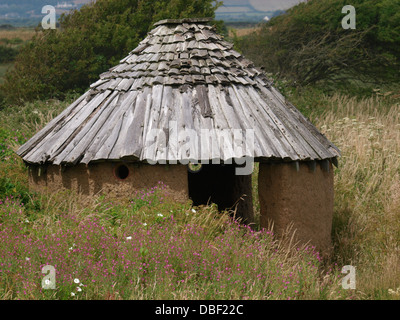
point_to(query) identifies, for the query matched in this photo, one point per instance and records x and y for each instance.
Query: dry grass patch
(367, 189)
(25, 34)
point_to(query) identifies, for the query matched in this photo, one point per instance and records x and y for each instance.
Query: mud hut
(182, 97)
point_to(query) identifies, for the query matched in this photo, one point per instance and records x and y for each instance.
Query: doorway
(218, 184)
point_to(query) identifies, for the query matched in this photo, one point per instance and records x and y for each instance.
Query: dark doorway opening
(218, 184)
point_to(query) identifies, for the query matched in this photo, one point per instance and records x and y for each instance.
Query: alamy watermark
(349, 281)
(49, 21)
(49, 280)
(349, 21)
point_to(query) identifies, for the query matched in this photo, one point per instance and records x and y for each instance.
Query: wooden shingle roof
(183, 72)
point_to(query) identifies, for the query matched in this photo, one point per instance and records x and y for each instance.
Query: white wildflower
(72, 294)
(159, 215)
(78, 289)
(394, 292)
(145, 224)
(76, 280)
(129, 238)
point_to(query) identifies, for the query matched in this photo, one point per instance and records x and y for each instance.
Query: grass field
(13, 38)
(24, 34)
(150, 248)
(240, 32)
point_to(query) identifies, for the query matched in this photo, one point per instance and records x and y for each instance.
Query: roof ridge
(185, 20)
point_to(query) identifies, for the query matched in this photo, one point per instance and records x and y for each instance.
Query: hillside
(252, 10)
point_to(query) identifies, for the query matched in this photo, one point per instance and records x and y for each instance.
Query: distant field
(6, 36)
(24, 34)
(240, 32)
(81, 1)
(272, 5)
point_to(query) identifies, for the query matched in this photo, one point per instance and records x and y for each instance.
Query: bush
(308, 44)
(7, 54)
(89, 42)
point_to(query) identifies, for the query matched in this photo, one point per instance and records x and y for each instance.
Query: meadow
(13, 39)
(25, 34)
(150, 248)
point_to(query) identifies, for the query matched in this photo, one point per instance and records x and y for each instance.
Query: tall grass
(166, 251)
(367, 189)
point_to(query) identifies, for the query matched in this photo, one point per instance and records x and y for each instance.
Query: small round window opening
(121, 172)
(194, 168)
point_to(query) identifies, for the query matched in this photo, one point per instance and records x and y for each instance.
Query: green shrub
(7, 54)
(308, 45)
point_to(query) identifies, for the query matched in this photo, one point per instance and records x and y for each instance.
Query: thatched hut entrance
(219, 184)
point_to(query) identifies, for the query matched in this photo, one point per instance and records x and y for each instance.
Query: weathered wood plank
(75, 148)
(224, 127)
(134, 140)
(118, 150)
(314, 148)
(105, 130)
(179, 117)
(173, 129)
(149, 150)
(54, 124)
(209, 148)
(294, 114)
(204, 102)
(275, 135)
(303, 149)
(162, 140)
(107, 147)
(284, 137)
(248, 124)
(41, 153)
(192, 136)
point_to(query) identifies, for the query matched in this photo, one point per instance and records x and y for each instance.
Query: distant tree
(307, 44)
(6, 27)
(88, 42)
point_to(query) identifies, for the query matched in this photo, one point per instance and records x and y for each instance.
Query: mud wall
(302, 196)
(101, 178)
